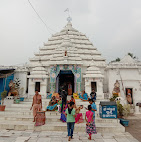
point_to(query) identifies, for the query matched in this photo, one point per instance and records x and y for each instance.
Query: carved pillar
(52, 87)
(100, 94)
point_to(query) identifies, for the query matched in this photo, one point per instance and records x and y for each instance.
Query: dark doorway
(65, 80)
(129, 95)
(94, 86)
(37, 86)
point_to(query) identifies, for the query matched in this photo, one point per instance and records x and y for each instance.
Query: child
(94, 108)
(90, 125)
(70, 114)
(73, 100)
(59, 104)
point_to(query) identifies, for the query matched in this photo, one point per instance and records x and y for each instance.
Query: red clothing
(36, 104)
(89, 115)
(37, 98)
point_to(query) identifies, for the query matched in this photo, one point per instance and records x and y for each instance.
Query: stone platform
(53, 136)
(19, 117)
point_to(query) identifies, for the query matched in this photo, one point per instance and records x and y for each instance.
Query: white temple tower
(67, 57)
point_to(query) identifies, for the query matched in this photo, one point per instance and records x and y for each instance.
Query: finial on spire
(69, 19)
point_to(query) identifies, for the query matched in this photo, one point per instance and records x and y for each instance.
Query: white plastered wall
(131, 78)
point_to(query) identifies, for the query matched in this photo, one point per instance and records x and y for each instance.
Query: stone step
(77, 101)
(28, 112)
(19, 117)
(28, 109)
(58, 126)
(29, 105)
(51, 118)
(44, 109)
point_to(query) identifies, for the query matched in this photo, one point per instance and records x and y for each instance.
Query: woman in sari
(63, 117)
(79, 116)
(90, 125)
(84, 96)
(52, 104)
(129, 96)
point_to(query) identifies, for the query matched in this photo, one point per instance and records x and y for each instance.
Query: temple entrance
(65, 79)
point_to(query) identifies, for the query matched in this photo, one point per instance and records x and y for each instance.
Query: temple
(70, 60)
(67, 58)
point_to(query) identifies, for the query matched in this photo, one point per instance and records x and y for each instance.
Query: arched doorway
(65, 79)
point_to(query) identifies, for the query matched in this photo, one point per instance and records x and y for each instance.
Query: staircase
(19, 117)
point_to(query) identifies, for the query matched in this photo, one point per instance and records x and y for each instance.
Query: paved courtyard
(50, 136)
(135, 126)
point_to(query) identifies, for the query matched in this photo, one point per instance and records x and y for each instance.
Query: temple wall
(131, 78)
(105, 81)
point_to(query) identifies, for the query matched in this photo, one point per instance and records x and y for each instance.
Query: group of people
(71, 115)
(84, 96)
(70, 112)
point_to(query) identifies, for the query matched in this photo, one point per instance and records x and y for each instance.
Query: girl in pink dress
(90, 125)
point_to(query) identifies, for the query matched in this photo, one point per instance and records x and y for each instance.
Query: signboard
(108, 111)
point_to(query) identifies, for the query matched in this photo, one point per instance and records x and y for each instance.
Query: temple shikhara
(67, 58)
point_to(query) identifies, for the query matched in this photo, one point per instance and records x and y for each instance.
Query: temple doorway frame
(58, 80)
(54, 71)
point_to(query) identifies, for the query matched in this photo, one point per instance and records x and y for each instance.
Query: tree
(132, 55)
(116, 60)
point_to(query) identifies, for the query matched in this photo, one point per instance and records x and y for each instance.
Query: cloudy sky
(113, 26)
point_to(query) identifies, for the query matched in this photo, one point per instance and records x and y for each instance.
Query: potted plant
(123, 112)
(126, 112)
(119, 109)
(3, 95)
(113, 98)
(21, 90)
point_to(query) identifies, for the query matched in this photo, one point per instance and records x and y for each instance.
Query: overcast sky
(113, 26)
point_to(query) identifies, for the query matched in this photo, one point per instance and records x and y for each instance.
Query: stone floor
(50, 136)
(134, 127)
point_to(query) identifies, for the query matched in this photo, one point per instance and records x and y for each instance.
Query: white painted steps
(19, 117)
(58, 126)
(51, 118)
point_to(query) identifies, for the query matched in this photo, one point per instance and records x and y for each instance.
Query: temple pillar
(78, 87)
(100, 94)
(31, 88)
(52, 87)
(43, 88)
(87, 86)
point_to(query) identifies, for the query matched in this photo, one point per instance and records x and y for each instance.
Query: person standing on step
(70, 115)
(94, 108)
(36, 104)
(64, 98)
(93, 95)
(90, 122)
